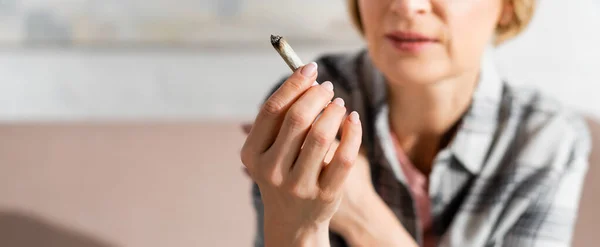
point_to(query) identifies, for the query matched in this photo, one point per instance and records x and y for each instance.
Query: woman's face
(424, 41)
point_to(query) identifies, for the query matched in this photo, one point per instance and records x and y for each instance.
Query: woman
(445, 153)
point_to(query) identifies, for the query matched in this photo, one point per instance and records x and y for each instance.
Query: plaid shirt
(512, 175)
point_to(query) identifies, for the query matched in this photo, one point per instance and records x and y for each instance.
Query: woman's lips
(410, 42)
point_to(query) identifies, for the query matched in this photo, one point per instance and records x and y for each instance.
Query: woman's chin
(415, 73)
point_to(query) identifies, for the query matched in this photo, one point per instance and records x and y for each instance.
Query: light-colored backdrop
(559, 54)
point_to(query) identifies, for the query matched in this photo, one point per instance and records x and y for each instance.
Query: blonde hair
(522, 13)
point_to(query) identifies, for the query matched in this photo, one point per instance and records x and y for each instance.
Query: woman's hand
(284, 154)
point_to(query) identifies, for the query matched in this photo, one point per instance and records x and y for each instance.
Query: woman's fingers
(297, 123)
(271, 115)
(333, 175)
(318, 141)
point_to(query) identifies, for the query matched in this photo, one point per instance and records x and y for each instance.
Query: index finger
(271, 115)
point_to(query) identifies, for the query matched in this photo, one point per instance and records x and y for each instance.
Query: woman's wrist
(375, 225)
(277, 234)
(359, 226)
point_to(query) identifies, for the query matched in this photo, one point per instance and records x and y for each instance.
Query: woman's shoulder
(529, 97)
(542, 108)
(342, 68)
(547, 124)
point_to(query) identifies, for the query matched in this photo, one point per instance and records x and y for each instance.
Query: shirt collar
(478, 126)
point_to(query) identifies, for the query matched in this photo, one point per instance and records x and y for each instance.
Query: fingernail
(354, 118)
(327, 85)
(310, 69)
(339, 101)
(315, 83)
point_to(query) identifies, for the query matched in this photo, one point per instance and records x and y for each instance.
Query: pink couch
(141, 184)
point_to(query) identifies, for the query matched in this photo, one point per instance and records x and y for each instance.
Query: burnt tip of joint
(276, 40)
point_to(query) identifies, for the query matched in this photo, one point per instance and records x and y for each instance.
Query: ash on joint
(275, 40)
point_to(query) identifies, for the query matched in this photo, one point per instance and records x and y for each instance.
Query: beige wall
(123, 185)
(150, 185)
(586, 232)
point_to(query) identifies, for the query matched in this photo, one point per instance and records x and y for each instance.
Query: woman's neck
(422, 116)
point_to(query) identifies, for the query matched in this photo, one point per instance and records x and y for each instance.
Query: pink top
(419, 188)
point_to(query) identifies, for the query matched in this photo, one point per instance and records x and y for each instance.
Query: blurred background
(155, 59)
(119, 119)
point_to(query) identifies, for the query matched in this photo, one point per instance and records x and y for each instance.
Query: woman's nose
(410, 8)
